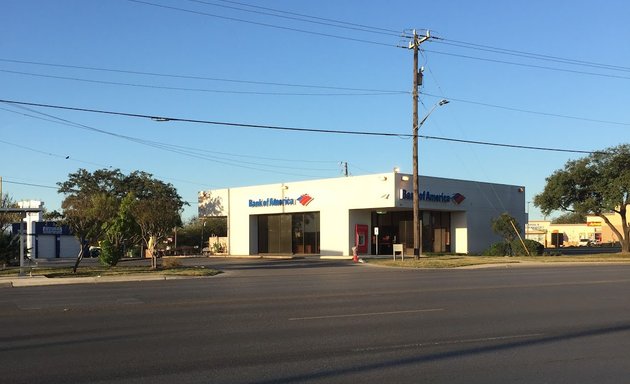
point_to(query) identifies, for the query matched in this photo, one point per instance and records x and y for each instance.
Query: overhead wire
(556, 69)
(4, 180)
(195, 77)
(280, 128)
(312, 17)
(530, 55)
(28, 184)
(369, 92)
(263, 24)
(106, 82)
(434, 38)
(192, 152)
(302, 18)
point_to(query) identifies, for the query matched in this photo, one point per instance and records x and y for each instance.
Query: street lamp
(417, 231)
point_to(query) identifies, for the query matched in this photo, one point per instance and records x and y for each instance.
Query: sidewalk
(35, 280)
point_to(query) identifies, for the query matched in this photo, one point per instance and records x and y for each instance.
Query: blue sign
(456, 198)
(271, 202)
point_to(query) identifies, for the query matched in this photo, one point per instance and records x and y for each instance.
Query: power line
(59, 120)
(371, 92)
(263, 24)
(529, 65)
(451, 42)
(28, 184)
(313, 17)
(303, 18)
(378, 93)
(460, 44)
(529, 111)
(508, 145)
(187, 151)
(530, 55)
(281, 128)
(194, 77)
(51, 187)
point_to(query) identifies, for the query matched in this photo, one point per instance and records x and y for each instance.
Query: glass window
(296, 233)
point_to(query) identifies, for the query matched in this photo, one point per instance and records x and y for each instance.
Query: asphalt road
(314, 321)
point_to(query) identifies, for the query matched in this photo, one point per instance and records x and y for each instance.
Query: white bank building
(373, 212)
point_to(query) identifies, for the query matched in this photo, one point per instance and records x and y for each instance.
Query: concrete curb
(33, 281)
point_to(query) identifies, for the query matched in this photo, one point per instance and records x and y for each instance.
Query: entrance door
(439, 240)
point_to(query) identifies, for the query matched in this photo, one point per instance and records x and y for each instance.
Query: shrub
(170, 262)
(9, 249)
(515, 248)
(110, 255)
(218, 248)
(534, 248)
(498, 249)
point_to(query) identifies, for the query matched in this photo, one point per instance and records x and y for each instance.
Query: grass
(457, 261)
(94, 271)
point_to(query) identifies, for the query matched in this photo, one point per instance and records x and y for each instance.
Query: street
(286, 321)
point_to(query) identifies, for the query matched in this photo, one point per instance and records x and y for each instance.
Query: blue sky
(224, 61)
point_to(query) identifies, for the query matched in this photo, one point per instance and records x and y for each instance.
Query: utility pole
(417, 82)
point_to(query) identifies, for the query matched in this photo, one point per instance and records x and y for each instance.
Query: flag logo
(458, 198)
(305, 199)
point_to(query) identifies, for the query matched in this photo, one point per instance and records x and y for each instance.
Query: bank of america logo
(458, 198)
(305, 199)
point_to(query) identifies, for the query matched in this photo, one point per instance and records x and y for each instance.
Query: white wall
(459, 232)
(346, 201)
(69, 246)
(46, 246)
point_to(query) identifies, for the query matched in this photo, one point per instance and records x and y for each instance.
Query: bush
(534, 248)
(218, 248)
(515, 248)
(498, 249)
(9, 249)
(170, 262)
(110, 255)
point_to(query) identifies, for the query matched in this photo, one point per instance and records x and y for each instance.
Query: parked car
(95, 251)
(585, 243)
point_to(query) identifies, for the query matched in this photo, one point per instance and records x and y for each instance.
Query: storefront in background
(373, 212)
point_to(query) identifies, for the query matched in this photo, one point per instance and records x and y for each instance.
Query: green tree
(87, 216)
(6, 219)
(504, 226)
(108, 205)
(156, 218)
(594, 185)
(121, 232)
(570, 218)
(193, 232)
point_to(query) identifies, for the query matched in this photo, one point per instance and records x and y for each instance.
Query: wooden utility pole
(417, 82)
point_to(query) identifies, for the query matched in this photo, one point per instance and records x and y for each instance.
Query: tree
(594, 185)
(156, 218)
(87, 216)
(122, 230)
(570, 218)
(504, 226)
(6, 219)
(108, 205)
(194, 232)
(9, 248)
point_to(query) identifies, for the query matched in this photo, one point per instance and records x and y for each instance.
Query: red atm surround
(361, 235)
